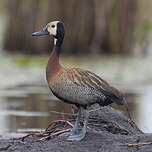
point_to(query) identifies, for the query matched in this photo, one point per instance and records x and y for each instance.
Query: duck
(76, 86)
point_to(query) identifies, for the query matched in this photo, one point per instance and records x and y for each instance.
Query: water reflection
(144, 110)
(30, 109)
(3, 119)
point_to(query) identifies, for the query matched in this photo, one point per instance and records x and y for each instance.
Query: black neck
(58, 45)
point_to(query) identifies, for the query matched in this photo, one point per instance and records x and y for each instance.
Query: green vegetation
(25, 61)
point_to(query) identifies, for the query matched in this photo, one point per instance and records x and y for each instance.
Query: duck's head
(55, 28)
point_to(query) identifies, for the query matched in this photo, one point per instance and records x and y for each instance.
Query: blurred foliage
(98, 26)
(25, 61)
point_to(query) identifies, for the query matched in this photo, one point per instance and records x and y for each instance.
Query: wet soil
(108, 131)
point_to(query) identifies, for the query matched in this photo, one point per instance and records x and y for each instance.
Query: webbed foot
(77, 137)
(66, 134)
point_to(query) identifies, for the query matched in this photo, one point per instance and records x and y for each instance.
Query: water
(23, 110)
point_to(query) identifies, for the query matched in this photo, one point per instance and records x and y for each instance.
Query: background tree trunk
(91, 26)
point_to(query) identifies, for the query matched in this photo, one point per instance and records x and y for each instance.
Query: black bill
(44, 31)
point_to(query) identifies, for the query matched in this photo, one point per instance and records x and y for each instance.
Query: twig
(121, 127)
(46, 134)
(26, 136)
(62, 113)
(114, 122)
(138, 144)
(51, 135)
(4, 148)
(52, 123)
(95, 109)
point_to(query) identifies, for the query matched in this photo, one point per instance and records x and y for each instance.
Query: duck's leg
(75, 128)
(81, 135)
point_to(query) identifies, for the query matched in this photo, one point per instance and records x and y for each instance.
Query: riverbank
(108, 131)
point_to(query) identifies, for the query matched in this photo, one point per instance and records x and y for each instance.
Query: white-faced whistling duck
(74, 85)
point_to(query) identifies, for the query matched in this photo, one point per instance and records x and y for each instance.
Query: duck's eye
(52, 26)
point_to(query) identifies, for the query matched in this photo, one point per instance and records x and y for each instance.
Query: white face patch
(52, 28)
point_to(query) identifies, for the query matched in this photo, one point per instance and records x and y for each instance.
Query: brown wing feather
(89, 79)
